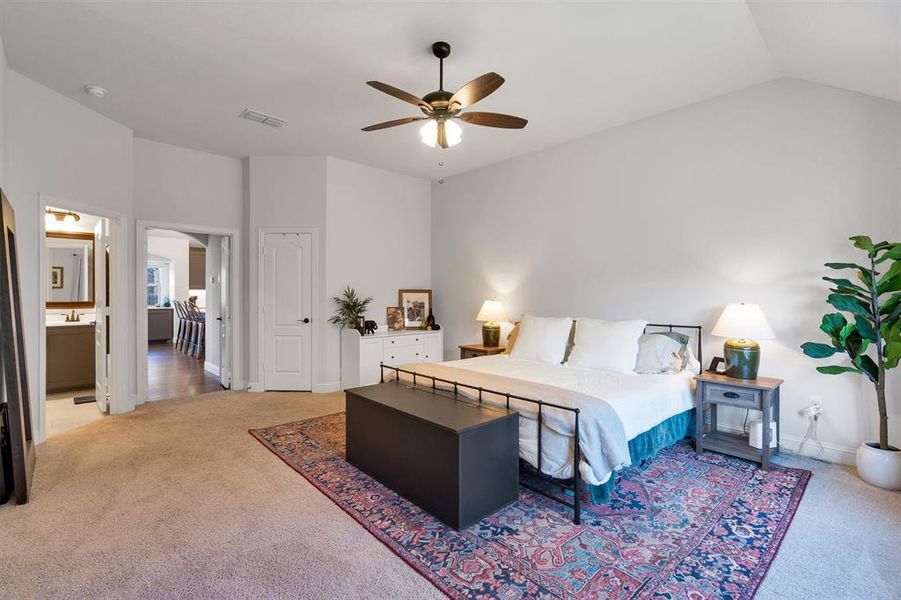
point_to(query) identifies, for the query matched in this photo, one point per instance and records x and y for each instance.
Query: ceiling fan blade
(393, 123)
(489, 119)
(442, 135)
(475, 90)
(400, 94)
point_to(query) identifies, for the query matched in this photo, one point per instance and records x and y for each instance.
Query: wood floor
(172, 374)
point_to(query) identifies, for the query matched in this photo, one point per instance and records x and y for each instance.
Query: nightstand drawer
(733, 396)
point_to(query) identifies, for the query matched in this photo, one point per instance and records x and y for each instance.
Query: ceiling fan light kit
(442, 109)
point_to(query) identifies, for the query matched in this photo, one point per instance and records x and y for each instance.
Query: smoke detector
(96, 90)
(260, 117)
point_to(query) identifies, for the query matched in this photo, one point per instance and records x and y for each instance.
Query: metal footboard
(479, 393)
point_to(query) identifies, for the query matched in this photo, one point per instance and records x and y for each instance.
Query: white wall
(283, 191)
(742, 197)
(373, 234)
(378, 240)
(186, 187)
(57, 147)
(177, 185)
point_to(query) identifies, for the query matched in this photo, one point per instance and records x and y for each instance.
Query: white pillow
(606, 345)
(659, 354)
(542, 338)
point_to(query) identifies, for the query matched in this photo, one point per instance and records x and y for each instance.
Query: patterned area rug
(678, 526)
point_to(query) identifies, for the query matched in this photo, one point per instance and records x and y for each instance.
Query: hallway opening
(185, 308)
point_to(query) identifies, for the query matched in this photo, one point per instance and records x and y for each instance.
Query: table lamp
(742, 324)
(492, 312)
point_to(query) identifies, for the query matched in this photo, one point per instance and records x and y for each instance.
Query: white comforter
(640, 401)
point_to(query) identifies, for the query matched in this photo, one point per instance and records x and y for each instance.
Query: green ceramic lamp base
(742, 358)
(491, 335)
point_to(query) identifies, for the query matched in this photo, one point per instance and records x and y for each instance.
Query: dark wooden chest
(458, 461)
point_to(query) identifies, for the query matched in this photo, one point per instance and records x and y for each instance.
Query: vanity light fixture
(60, 218)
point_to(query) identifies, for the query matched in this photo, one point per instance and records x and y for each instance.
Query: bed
(619, 418)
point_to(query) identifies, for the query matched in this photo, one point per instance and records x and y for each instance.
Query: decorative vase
(881, 468)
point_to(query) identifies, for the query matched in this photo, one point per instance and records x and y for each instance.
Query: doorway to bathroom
(185, 310)
(77, 370)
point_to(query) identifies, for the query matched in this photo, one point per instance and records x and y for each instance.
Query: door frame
(314, 359)
(120, 400)
(234, 298)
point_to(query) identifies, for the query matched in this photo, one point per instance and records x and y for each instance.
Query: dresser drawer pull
(731, 395)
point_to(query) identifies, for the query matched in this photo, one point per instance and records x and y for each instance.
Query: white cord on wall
(812, 412)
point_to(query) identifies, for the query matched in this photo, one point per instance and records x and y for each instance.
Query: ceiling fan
(442, 108)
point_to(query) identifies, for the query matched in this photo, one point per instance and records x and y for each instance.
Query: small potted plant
(872, 340)
(350, 310)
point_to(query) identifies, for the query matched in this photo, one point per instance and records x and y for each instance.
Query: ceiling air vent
(258, 117)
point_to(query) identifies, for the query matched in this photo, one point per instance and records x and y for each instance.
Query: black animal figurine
(369, 327)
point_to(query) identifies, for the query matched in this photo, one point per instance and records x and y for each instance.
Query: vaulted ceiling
(182, 72)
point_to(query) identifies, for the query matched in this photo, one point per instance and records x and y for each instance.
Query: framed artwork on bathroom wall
(56, 278)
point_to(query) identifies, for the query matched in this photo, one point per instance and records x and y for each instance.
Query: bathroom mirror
(70, 259)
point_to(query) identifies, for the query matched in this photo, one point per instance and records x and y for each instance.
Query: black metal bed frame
(576, 485)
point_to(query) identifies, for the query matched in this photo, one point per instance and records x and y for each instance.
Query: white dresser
(361, 355)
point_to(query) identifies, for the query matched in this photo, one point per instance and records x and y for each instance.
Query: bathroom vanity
(70, 356)
(71, 352)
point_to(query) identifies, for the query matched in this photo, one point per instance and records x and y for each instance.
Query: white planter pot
(881, 468)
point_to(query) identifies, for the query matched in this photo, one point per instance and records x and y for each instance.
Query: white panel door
(225, 313)
(101, 312)
(287, 311)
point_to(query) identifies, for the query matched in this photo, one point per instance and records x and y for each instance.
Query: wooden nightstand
(473, 350)
(755, 394)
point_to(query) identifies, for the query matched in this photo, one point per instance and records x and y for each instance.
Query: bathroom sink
(69, 324)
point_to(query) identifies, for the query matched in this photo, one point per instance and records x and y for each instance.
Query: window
(154, 286)
(158, 283)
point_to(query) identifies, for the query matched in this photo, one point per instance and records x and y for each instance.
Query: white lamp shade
(492, 311)
(743, 321)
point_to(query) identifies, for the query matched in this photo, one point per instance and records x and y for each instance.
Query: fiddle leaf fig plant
(871, 333)
(349, 308)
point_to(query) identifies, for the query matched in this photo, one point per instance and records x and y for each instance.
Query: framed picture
(395, 318)
(416, 305)
(56, 278)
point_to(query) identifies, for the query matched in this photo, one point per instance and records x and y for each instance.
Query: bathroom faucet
(73, 318)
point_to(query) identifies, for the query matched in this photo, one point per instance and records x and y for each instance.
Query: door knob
(306, 320)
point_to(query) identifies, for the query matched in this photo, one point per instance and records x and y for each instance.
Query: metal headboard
(671, 327)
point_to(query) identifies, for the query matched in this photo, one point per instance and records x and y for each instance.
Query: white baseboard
(318, 388)
(211, 368)
(327, 387)
(831, 452)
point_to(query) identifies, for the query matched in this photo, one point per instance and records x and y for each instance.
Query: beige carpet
(178, 500)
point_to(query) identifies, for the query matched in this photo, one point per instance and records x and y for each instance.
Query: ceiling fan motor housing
(441, 50)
